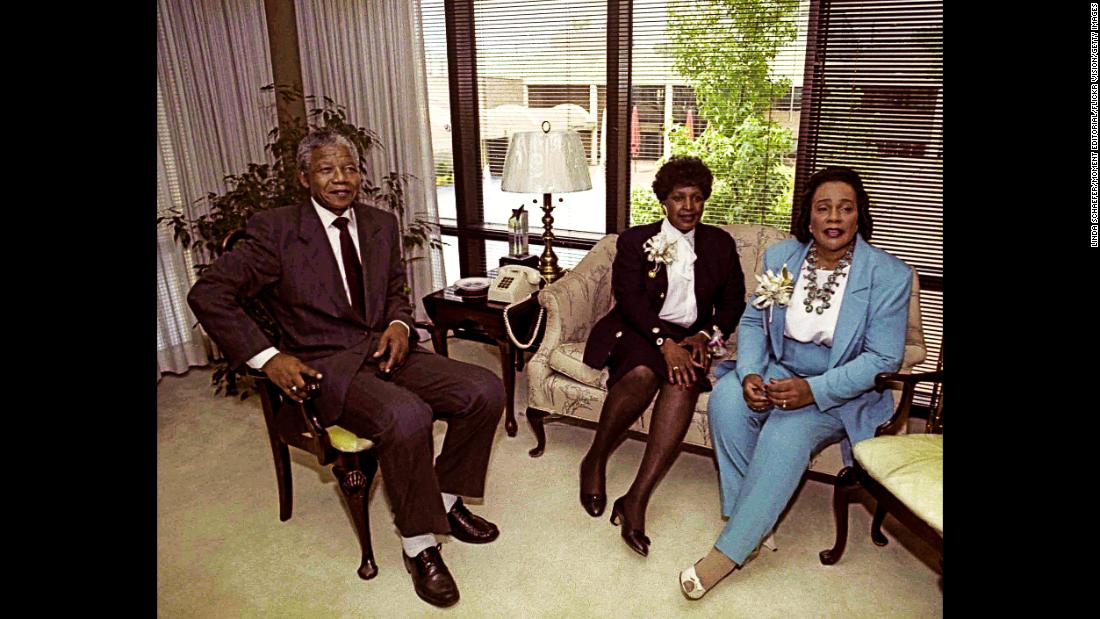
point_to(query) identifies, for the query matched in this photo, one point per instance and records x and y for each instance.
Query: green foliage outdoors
(723, 48)
(275, 183)
(444, 171)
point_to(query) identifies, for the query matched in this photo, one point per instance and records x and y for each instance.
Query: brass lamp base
(548, 262)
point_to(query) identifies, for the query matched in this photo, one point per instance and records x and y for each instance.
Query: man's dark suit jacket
(719, 290)
(288, 262)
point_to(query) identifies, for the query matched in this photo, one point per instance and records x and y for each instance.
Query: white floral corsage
(774, 289)
(659, 249)
(717, 344)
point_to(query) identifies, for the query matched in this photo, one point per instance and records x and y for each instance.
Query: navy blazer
(719, 290)
(288, 262)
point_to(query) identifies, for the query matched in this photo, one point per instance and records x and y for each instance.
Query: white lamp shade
(539, 162)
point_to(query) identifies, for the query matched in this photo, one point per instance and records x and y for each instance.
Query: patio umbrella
(566, 116)
(504, 120)
(690, 124)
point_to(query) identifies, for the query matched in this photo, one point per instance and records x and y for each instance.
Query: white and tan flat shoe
(690, 584)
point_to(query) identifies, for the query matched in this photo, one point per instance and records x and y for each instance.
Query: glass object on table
(517, 232)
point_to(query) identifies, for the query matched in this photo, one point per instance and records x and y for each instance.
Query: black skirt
(634, 349)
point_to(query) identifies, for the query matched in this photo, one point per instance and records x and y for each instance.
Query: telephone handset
(513, 285)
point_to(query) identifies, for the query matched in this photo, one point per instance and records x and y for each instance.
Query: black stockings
(626, 401)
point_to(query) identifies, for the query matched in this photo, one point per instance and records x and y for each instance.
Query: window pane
(439, 107)
(542, 60)
(722, 81)
(450, 259)
(567, 256)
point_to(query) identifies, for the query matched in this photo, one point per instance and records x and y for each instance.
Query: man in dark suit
(330, 272)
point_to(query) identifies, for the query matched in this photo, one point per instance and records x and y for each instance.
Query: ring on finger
(294, 387)
(675, 368)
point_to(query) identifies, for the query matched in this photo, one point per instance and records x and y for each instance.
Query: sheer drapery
(370, 58)
(212, 120)
(179, 341)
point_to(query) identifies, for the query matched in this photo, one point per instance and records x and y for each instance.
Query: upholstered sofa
(561, 385)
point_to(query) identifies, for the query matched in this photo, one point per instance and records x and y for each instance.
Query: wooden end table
(483, 321)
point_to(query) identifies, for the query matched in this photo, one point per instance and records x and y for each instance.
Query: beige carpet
(222, 551)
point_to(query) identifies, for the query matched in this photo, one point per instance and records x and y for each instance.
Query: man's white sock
(417, 544)
(448, 501)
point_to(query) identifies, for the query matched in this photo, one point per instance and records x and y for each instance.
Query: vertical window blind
(873, 101)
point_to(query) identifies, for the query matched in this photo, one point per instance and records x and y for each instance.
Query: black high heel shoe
(594, 504)
(635, 538)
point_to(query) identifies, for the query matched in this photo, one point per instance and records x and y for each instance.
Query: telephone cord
(534, 332)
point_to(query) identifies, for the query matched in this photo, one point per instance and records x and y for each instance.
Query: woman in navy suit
(677, 283)
(807, 357)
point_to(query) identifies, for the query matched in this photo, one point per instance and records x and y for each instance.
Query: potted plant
(269, 185)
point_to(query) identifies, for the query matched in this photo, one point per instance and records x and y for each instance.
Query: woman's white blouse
(679, 306)
(809, 327)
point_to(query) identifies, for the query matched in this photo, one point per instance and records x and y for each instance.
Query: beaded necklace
(825, 292)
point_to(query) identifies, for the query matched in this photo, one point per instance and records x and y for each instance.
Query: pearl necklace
(825, 292)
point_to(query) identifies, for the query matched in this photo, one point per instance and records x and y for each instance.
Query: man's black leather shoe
(431, 578)
(470, 528)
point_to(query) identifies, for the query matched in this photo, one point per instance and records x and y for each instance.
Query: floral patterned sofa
(560, 384)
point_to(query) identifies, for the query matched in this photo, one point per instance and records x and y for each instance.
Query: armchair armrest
(567, 320)
(309, 412)
(575, 302)
(909, 383)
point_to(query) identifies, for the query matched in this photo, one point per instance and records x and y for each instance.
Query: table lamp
(546, 162)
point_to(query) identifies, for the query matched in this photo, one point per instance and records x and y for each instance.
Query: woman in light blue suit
(807, 355)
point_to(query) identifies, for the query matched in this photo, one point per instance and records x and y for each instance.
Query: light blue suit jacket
(869, 337)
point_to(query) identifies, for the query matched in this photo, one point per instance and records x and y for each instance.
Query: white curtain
(212, 120)
(369, 56)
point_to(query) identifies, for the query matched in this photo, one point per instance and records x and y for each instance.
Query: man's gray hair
(317, 139)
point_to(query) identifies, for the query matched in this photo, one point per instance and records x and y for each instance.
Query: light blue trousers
(761, 458)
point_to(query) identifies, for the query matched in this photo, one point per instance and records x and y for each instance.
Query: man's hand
(788, 393)
(681, 366)
(755, 395)
(697, 346)
(395, 339)
(286, 372)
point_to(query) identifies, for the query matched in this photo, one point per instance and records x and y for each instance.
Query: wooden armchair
(903, 473)
(290, 424)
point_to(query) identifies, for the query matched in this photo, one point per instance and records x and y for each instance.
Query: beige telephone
(514, 283)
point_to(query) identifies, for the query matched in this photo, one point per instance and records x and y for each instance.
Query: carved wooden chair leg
(354, 487)
(842, 489)
(535, 417)
(368, 569)
(876, 526)
(281, 454)
(282, 477)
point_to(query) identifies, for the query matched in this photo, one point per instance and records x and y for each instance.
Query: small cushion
(569, 360)
(346, 441)
(911, 468)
